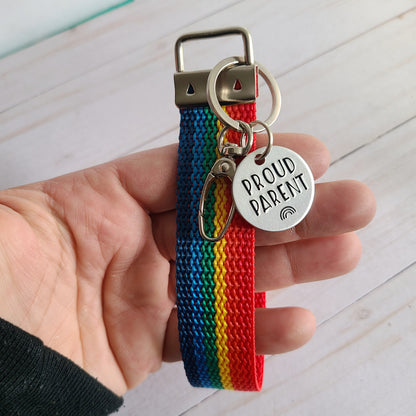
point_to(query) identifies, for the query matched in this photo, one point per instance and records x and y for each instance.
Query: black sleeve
(37, 381)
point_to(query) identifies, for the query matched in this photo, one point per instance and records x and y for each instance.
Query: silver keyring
(270, 142)
(216, 106)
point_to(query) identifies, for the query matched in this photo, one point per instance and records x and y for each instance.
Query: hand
(87, 261)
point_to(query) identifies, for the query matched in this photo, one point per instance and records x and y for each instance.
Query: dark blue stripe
(189, 274)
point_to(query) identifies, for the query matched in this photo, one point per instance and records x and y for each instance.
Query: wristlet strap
(215, 280)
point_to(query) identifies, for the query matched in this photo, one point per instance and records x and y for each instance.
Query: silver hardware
(269, 146)
(191, 86)
(273, 187)
(223, 167)
(233, 149)
(215, 105)
(248, 44)
(277, 194)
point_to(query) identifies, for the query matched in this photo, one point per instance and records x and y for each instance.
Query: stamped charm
(274, 193)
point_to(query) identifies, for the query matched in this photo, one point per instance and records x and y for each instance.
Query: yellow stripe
(220, 286)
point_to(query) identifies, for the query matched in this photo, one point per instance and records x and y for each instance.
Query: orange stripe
(221, 299)
(235, 299)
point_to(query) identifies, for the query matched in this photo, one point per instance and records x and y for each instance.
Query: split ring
(216, 106)
(269, 146)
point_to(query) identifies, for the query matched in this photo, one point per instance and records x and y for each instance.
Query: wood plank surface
(96, 117)
(357, 348)
(347, 73)
(85, 48)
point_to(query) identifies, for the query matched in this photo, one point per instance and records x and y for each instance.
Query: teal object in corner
(26, 22)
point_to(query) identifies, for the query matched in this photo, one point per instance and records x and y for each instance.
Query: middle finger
(339, 207)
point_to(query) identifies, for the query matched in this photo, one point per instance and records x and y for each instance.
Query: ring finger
(306, 261)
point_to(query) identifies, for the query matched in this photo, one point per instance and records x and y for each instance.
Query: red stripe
(246, 369)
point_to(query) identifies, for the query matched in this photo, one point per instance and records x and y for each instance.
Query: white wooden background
(347, 73)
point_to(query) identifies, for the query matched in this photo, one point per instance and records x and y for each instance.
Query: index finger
(150, 176)
(311, 149)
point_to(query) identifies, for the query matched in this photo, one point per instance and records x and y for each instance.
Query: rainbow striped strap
(215, 280)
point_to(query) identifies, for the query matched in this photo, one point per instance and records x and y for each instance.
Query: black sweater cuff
(35, 380)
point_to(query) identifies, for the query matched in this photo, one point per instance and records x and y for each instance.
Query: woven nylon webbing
(215, 281)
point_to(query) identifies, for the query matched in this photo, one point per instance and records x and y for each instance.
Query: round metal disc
(275, 193)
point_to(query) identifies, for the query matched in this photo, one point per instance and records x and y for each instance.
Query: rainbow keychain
(225, 189)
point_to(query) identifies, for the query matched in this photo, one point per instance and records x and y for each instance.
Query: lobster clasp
(223, 167)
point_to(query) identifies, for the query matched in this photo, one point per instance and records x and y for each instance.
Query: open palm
(86, 261)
